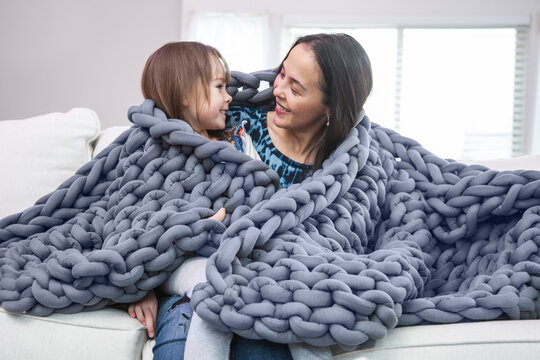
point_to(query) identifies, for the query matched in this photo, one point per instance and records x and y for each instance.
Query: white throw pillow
(39, 153)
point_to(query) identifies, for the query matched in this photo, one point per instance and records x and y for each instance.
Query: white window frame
(337, 13)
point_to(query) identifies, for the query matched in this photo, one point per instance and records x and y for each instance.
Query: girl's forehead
(218, 68)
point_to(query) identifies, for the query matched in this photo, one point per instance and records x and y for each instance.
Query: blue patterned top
(236, 138)
(289, 171)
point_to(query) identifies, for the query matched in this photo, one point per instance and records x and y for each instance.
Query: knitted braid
(126, 219)
(386, 233)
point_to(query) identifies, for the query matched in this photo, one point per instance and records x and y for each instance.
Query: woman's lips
(281, 110)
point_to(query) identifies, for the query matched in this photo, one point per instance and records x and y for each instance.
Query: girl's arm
(145, 310)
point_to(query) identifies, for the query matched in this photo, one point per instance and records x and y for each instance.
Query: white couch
(37, 154)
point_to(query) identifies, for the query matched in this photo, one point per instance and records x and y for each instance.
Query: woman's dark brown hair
(346, 83)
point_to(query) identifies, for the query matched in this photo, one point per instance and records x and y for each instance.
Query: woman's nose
(278, 91)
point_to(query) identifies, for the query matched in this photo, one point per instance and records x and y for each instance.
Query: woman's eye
(220, 86)
(282, 74)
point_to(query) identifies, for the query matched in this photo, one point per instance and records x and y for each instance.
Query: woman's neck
(295, 144)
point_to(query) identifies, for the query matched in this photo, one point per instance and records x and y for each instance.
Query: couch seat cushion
(103, 334)
(510, 339)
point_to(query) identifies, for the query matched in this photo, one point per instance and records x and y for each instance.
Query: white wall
(59, 54)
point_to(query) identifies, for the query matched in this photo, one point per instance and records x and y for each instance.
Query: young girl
(187, 80)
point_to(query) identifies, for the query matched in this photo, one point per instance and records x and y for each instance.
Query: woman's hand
(145, 310)
(219, 215)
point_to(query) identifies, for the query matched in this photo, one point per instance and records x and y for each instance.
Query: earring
(327, 120)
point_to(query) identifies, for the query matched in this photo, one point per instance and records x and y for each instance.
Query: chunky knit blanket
(385, 233)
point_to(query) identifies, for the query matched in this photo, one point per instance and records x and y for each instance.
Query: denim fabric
(173, 318)
(243, 349)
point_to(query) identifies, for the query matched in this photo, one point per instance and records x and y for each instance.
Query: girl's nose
(228, 98)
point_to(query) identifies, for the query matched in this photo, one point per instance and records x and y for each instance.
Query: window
(457, 89)
(451, 89)
(218, 30)
(381, 46)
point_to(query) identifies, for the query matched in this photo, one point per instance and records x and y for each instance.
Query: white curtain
(242, 39)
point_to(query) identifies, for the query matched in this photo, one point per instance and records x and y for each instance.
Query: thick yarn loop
(384, 234)
(125, 220)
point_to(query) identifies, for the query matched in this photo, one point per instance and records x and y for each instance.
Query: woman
(320, 90)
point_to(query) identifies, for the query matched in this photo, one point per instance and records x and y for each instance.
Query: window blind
(518, 126)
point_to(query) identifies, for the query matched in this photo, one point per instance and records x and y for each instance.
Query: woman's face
(298, 95)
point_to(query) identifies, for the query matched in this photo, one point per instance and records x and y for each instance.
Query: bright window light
(246, 53)
(457, 91)
(380, 45)
(450, 89)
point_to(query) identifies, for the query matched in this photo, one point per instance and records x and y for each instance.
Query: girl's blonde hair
(177, 71)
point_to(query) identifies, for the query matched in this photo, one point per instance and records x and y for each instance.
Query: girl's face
(298, 95)
(203, 114)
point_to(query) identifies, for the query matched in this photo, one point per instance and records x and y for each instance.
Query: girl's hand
(145, 310)
(219, 215)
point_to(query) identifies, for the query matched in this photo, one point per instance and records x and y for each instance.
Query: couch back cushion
(107, 136)
(37, 154)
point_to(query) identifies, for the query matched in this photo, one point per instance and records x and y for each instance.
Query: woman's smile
(280, 109)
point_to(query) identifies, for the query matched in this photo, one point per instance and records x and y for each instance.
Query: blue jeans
(173, 318)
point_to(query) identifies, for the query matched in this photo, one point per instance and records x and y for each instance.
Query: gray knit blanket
(384, 234)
